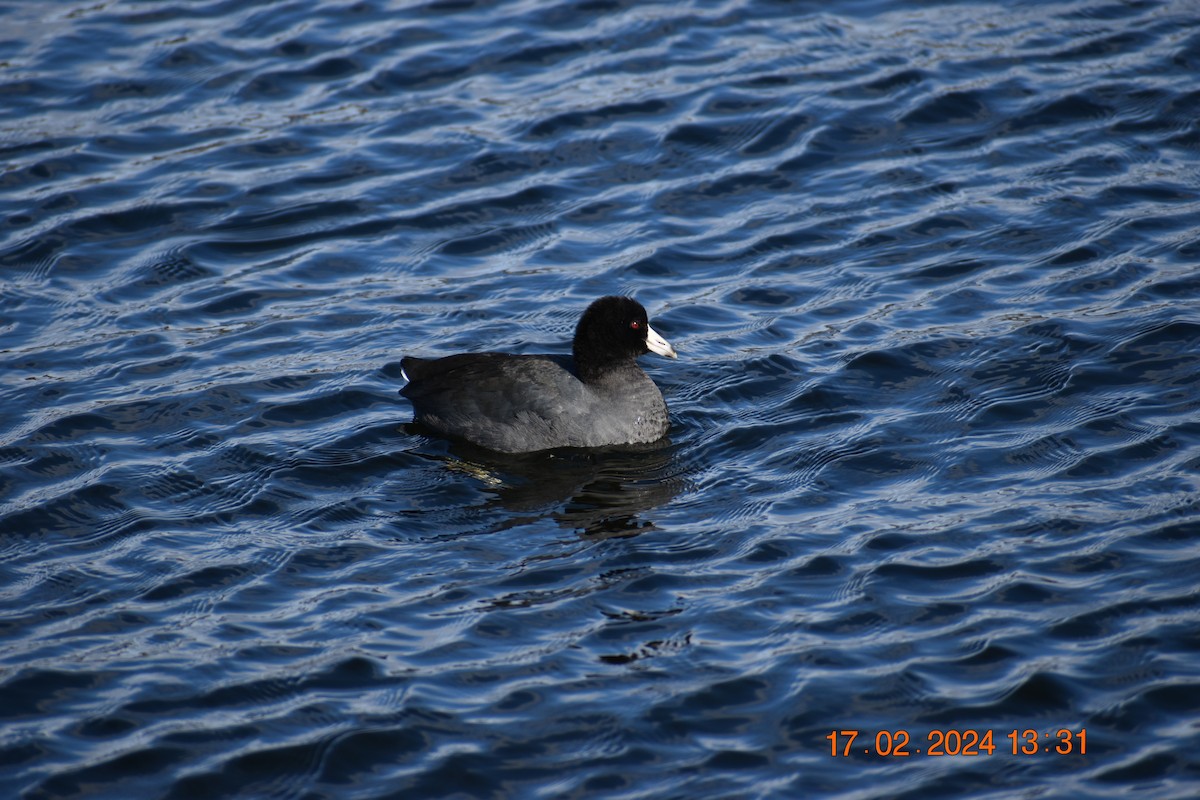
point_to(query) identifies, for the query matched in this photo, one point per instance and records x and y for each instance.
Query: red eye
(635, 325)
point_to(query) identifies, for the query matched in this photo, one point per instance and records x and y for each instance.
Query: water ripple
(930, 270)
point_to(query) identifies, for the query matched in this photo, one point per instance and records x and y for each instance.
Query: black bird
(522, 403)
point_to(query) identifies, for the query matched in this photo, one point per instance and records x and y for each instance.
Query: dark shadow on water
(599, 492)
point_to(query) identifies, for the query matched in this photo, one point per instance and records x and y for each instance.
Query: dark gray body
(523, 403)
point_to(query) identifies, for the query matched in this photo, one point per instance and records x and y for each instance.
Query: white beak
(658, 344)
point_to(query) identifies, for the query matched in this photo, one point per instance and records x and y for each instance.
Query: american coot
(521, 403)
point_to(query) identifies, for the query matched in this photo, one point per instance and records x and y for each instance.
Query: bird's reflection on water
(598, 492)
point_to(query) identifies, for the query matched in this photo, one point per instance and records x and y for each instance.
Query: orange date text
(954, 742)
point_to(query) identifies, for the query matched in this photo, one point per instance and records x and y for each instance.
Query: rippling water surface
(933, 271)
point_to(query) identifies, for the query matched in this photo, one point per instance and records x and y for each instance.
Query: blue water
(933, 272)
